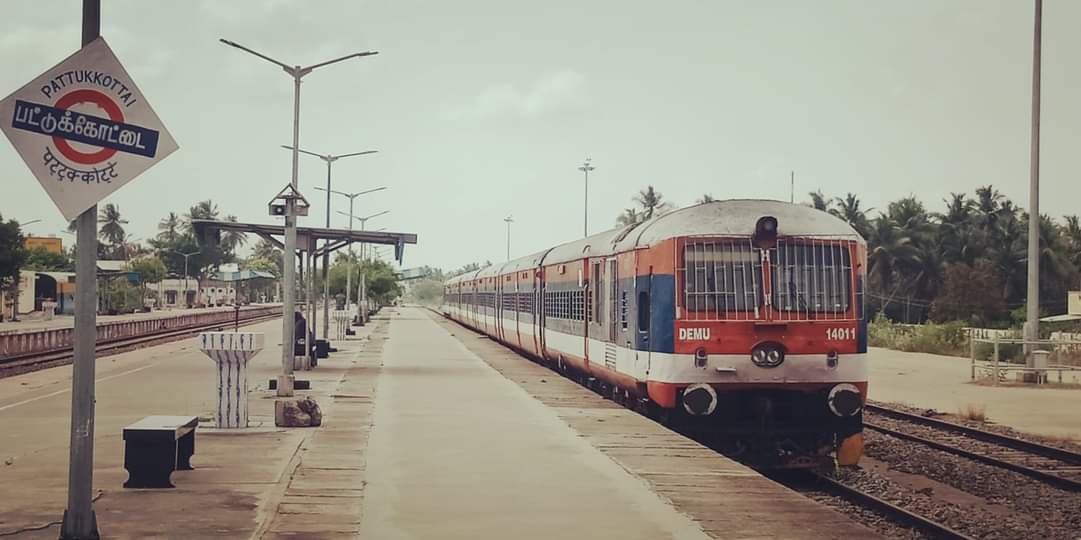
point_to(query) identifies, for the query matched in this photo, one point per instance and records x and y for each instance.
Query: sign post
(84, 129)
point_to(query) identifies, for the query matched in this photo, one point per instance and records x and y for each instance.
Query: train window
(721, 277)
(811, 277)
(643, 311)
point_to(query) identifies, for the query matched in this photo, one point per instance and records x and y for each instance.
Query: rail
(25, 362)
(1056, 474)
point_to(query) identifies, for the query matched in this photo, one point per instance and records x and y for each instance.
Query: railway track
(25, 363)
(807, 480)
(1055, 466)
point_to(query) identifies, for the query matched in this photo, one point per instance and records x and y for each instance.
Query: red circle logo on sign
(87, 96)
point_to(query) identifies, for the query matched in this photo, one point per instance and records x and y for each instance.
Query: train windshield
(722, 279)
(811, 276)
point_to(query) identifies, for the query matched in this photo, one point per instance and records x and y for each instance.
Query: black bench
(156, 446)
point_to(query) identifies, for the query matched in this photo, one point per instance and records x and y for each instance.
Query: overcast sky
(485, 108)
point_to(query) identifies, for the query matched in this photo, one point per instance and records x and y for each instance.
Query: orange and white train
(740, 318)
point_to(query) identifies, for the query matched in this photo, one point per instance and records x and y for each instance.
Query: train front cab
(767, 342)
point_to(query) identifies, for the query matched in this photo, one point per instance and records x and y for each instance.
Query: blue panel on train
(662, 311)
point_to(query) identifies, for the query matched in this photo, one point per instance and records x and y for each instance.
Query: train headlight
(845, 400)
(700, 357)
(767, 355)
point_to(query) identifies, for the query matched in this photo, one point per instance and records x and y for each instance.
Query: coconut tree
(630, 216)
(819, 201)
(652, 202)
(112, 225)
(169, 227)
(230, 240)
(202, 210)
(849, 210)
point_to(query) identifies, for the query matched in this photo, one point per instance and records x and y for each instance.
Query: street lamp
(363, 220)
(285, 382)
(329, 159)
(31, 222)
(186, 256)
(509, 220)
(349, 267)
(585, 168)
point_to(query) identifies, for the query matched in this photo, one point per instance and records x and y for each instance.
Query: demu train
(740, 318)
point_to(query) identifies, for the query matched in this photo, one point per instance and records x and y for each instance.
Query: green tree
(705, 198)
(651, 202)
(819, 201)
(43, 260)
(150, 270)
(630, 216)
(112, 226)
(849, 210)
(12, 254)
(169, 227)
(971, 293)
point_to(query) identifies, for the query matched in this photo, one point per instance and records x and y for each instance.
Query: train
(742, 320)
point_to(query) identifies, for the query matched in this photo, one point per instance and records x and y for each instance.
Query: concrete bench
(156, 446)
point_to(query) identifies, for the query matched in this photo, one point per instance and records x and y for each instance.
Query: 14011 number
(840, 334)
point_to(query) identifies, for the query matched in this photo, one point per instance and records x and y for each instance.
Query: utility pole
(1032, 325)
(792, 188)
(79, 522)
(509, 220)
(286, 379)
(585, 168)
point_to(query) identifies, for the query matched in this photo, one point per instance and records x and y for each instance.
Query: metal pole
(310, 330)
(349, 267)
(1032, 326)
(286, 379)
(79, 521)
(185, 280)
(508, 238)
(792, 187)
(585, 207)
(326, 266)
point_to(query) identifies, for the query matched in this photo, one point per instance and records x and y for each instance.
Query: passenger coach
(744, 317)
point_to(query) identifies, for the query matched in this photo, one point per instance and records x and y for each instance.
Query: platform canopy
(309, 239)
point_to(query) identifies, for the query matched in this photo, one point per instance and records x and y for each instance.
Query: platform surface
(933, 381)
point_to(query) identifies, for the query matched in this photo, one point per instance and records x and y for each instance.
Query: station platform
(27, 324)
(943, 383)
(430, 431)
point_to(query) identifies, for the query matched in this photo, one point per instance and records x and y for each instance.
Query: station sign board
(84, 128)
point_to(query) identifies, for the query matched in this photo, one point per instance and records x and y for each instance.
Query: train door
(499, 308)
(613, 301)
(538, 303)
(644, 325)
(517, 310)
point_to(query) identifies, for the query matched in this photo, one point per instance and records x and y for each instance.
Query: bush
(945, 338)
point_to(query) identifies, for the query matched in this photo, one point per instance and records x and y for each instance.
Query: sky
(482, 109)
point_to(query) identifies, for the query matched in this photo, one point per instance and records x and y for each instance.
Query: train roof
(732, 217)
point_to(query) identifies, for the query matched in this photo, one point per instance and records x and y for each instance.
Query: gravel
(1016, 505)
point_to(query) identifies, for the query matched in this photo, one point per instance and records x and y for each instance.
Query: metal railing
(1008, 354)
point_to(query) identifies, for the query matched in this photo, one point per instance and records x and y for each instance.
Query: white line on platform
(68, 389)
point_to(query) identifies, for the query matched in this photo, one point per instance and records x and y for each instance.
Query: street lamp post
(186, 256)
(285, 381)
(349, 267)
(363, 221)
(329, 159)
(585, 168)
(509, 220)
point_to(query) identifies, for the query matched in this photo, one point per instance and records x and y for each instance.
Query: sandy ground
(943, 383)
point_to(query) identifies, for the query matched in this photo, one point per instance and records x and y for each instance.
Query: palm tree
(230, 240)
(652, 202)
(849, 210)
(630, 216)
(706, 198)
(820, 201)
(112, 225)
(202, 210)
(169, 227)
(1072, 230)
